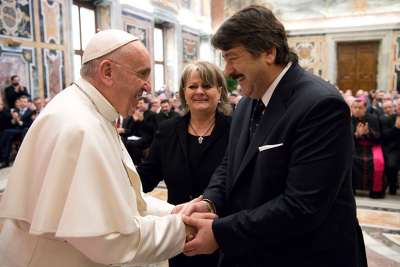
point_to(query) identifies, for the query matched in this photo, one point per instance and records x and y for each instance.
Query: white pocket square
(262, 148)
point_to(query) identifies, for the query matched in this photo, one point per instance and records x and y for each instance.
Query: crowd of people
(17, 112)
(376, 132)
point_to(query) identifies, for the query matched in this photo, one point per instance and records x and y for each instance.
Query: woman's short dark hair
(257, 30)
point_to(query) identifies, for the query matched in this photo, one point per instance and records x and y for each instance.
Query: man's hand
(190, 230)
(204, 241)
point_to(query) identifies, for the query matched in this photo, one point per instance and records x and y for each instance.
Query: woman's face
(200, 96)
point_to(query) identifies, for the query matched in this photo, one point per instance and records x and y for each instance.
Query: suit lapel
(243, 139)
(273, 113)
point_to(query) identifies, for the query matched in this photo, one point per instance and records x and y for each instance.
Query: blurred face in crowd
(142, 106)
(398, 107)
(380, 95)
(387, 107)
(15, 81)
(165, 107)
(360, 93)
(253, 73)
(39, 103)
(1, 105)
(155, 105)
(199, 95)
(358, 108)
(24, 103)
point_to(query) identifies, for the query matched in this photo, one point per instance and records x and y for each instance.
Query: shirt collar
(268, 94)
(103, 106)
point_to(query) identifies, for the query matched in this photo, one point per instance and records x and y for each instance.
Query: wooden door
(357, 65)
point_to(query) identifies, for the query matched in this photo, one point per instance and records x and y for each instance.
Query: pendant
(200, 139)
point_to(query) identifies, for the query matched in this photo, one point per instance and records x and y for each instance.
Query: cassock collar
(103, 106)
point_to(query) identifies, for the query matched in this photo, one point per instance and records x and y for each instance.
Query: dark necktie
(258, 110)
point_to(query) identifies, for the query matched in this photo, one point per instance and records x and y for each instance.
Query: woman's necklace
(201, 136)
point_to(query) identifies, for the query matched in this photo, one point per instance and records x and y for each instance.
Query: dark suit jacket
(144, 129)
(161, 116)
(168, 160)
(391, 141)
(291, 205)
(10, 95)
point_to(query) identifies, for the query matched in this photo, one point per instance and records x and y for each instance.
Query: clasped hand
(198, 220)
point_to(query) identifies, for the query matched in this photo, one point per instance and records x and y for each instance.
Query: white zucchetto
(105, 42)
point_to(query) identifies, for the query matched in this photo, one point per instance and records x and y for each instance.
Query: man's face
(165, 107)
(133, 76)
(358, 109)
(38, 103)
(251, 72)
(24, 102)
(387, 107)
(15, 81)
(142, 106)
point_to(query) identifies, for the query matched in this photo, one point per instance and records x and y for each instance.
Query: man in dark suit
(14, 91)
(165, 113)
(21, 120)
(391, 147)
(141, 124)
(283, 191)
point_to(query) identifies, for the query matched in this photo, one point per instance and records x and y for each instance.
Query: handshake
(198, 216)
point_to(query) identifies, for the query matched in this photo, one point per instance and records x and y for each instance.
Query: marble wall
(311, 52)
(32, 42)
(396, 60)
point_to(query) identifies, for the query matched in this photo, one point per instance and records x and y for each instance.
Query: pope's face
(133, 77)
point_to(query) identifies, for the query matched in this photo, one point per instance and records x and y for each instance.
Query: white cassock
(74, 197)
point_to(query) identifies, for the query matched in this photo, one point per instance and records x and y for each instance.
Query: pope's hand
(179, 208)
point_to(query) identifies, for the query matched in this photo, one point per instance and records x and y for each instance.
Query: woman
(186, 150)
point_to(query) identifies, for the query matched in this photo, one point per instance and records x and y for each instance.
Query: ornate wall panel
(311, 53)
(53, 71)
(16, 19)
(51, 18)
(20, 61)
(396, 80)
(191, 44)
(140, 27)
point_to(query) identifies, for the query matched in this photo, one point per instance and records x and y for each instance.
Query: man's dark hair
(145, 99)
(13, 77)
(164, 101)
(257, 30)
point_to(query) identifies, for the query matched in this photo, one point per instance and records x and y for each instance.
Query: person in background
(391, 147)
(141, 124)
(166, 112)
(21, 120)
(368, 160)
(14, 91)
(186, 150)
(5, 118)
(155, 105)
